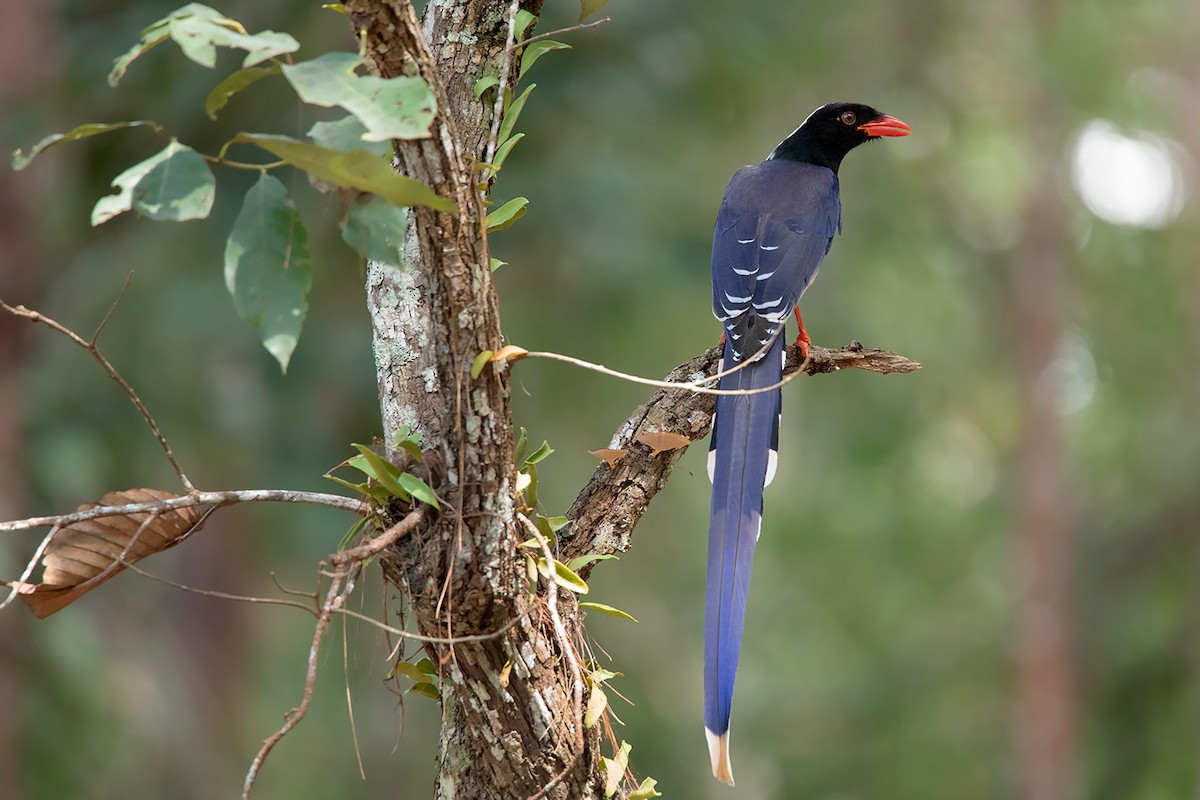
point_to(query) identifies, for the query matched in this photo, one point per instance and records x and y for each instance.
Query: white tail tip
(718, 750)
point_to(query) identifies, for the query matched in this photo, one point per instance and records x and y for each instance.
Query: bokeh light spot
(1135, 181)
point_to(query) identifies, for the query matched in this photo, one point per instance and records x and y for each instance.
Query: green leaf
(504, 149)
(354, 530)
(358, 170)
(589, 7)
(512, 113)
(614, 769)
(389, 108)
(479, 363)
(346, 134)
(519, 447)
(427, 689)
(267, 267)
(504, 216)
(582, 561)
(233, 84)
(605, 609)
(557, 523)
(199, 30)
(597, 702)
(419, 489)
(177, 188)
(361, 488)
(483, 84)
(376, 229)
(497, 264)
(538, 49)
(410, 671)
(173, 184)
(428, 667)
(565, 577)
(543, 526)
(523, 20)
(20, 161)
(541, 454)
(409, 442)
(646, 790)
(381, 470)
(600, 675)
(530, 487)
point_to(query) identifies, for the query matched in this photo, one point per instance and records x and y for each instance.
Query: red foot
(802, 340)
(721, 342)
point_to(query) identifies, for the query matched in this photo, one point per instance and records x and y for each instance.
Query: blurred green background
(879, 656)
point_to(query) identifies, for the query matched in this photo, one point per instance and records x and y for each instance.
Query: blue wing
(776, 223)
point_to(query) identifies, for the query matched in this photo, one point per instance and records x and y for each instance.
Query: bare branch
(334, 599)
(94, 351)
(195, 498)
(381, 542)
(560, 31)
(505, 71)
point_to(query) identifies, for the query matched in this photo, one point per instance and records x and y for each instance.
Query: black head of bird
(834, 130)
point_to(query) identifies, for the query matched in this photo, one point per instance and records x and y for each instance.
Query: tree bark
(463, 574)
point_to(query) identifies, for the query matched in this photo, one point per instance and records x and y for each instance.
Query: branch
(609, 506)
(94, 351)
(334, 599)
(196, 498)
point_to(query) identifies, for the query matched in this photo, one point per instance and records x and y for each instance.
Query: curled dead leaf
(661, 441)
(80, 557)
(610, 457)
(510, 352)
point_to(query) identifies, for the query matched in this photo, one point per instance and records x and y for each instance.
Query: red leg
(802, 340)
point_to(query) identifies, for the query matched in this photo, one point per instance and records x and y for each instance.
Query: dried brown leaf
(610, 457)
(510, 353)
(661, 441)
(78, 556)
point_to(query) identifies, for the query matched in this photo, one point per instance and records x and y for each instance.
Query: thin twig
(568, 651)
(374, 547)
(560, 31)
(266, 601)
(505, 69)
(333, 599)
(94, 351)
(196, 498)
(30, 565)
(316, 612)
(112, 308)
(819, 360)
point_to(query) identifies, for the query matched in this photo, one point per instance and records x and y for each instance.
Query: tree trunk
(463, 574)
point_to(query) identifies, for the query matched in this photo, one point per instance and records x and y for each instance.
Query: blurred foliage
(877, 658)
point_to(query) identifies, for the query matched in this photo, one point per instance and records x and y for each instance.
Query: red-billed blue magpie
(775, 225)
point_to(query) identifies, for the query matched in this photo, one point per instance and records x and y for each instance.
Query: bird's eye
(847, 117)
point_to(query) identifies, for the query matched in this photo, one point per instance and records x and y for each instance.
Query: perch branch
(609, 506)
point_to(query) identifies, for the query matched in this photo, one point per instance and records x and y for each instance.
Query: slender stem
(94, 351)
(561, 31)
(194, 498)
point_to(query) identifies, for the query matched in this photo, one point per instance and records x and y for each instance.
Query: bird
(775, 225)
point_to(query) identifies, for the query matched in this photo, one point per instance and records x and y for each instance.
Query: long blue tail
(742, 459)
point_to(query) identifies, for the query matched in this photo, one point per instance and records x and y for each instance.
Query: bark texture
(463, 573)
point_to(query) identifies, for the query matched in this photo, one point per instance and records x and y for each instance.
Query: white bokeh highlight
(1136, 181)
